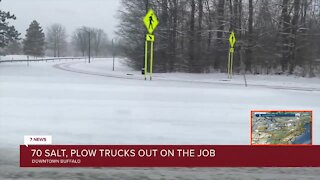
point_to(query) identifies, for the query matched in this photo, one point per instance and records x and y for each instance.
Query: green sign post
(151, 22)
(232, 41)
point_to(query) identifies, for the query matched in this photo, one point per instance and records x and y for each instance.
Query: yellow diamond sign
(151, 21)
(232, 39)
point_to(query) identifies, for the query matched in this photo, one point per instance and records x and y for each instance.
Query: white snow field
(17, 57)
(81, 103)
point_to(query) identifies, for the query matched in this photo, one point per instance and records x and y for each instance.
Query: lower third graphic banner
(168, 156)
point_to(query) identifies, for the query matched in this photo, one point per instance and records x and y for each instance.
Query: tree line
(273, 36)
(54, 42)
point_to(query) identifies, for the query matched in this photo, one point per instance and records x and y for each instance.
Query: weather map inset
(281, 128)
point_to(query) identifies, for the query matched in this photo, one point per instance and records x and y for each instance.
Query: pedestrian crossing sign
(151, 21)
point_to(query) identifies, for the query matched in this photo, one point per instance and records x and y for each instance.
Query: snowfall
(80, 103)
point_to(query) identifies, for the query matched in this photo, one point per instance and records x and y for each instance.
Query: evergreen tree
(7, 32)
(34, 42)
(13, 48)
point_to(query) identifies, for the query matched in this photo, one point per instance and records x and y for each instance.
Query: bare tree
(192, 63)
(87, 39)
(199, 36)
(285, 21)
(272, 36)
(56, 39)
(99, 40)
(248, 62)
(80, 39)
(294, 29)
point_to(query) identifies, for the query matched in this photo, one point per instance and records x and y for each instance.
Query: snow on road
(80, 108)
(87, 109)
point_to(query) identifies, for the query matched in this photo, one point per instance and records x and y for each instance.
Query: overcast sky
(70, 13)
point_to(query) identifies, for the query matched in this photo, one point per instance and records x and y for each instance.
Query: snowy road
(87, 109)
(80, 108)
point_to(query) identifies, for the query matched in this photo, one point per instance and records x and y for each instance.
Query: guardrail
(41, 59)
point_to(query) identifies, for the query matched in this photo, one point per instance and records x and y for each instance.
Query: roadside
(104, 67)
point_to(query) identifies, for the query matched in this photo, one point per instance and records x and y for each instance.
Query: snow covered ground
(22, 58)
(274, 81)
(16, 57)
(98, 106)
